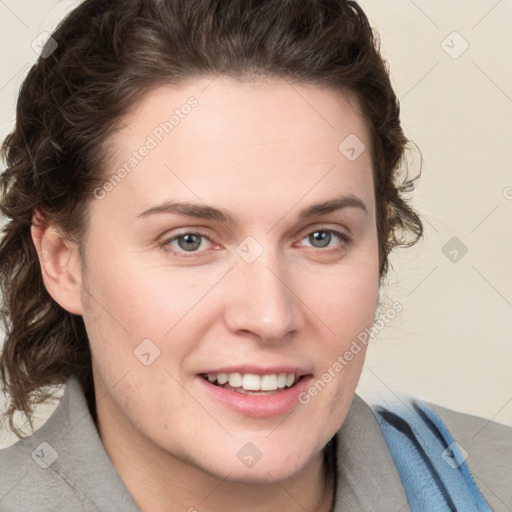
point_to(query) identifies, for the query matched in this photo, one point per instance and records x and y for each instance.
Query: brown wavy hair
(111, 52)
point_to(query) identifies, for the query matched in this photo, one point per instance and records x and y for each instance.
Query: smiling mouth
(252, 384)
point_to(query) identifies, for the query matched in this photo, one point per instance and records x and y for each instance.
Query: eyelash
(188, 254)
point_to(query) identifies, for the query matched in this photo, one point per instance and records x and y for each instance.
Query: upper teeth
(252, 382)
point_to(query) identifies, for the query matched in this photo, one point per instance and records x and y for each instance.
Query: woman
(202, 197)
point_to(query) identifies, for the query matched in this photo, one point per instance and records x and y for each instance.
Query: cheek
(146, 300)
(344, 300)
(132, 303)
(347, 306)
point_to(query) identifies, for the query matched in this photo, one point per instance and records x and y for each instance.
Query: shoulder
(487, 448)
(62, 466)
(447, 457)
(29, 482)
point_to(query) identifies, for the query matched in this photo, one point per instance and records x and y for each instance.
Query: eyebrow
(211, 213)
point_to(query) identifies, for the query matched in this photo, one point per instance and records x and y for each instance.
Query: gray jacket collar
(64, 466)
(367, 476)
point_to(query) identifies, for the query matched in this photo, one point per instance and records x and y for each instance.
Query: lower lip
(258, 406)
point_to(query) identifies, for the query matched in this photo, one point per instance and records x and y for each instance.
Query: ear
(61, 266)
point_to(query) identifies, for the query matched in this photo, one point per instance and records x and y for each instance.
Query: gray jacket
(63, 466)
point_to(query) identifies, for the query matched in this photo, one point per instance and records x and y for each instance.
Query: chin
(269, 473)
(249, 465)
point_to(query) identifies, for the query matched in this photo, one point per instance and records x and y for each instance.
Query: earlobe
(60, 265)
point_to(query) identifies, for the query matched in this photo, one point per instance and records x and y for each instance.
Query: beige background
(452, 342)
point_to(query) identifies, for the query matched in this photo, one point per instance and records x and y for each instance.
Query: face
(246, 280)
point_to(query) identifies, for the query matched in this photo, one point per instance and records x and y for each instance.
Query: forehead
(216, 138)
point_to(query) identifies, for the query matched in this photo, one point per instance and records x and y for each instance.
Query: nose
(262, 301)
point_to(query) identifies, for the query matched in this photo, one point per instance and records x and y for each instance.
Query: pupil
(190, 239)
(323, 236)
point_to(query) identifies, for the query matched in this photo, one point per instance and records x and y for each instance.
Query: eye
(186, 242)
(321, 238)
(191, 242)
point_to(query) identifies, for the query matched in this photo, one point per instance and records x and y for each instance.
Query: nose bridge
(262, 300)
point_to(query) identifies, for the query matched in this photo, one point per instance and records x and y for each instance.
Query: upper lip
(258, 370)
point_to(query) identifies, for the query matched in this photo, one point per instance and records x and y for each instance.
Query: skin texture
(263, 151)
